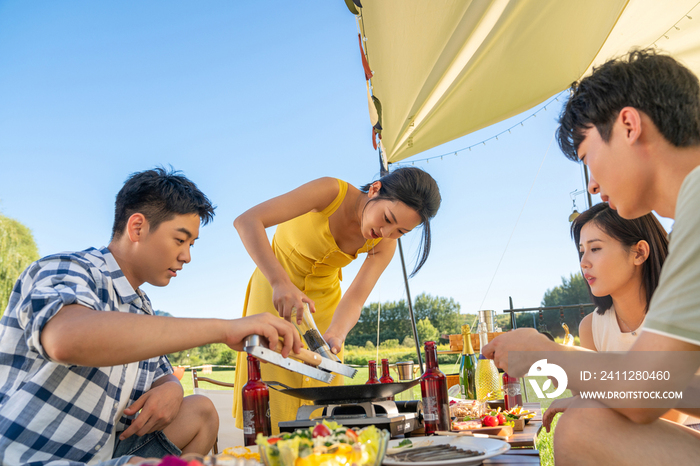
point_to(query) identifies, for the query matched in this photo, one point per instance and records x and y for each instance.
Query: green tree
(443, 313)
(17, 251)
(426, 331)
(573, 290)
(395, 323)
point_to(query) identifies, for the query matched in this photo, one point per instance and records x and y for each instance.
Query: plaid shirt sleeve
(47, 287)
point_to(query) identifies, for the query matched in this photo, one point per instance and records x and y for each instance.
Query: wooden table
(528, 436)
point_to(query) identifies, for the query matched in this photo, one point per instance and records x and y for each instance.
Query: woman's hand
(558, 406)
(287, 298)
(334, 341)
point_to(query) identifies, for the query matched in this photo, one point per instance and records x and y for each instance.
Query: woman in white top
(621, 262)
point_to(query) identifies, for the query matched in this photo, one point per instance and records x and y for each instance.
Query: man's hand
(558, 406)
(271, 327)
(507, 350)
(158, 407)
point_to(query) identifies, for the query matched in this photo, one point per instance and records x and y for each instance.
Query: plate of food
(327, 444)
(443, 450)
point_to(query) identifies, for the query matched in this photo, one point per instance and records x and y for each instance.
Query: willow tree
(17, 251)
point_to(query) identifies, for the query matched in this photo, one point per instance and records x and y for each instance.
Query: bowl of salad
(326, 444)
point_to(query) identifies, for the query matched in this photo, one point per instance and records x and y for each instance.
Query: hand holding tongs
(309, 332)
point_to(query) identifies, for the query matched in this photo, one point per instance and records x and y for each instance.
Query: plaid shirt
(53, 413)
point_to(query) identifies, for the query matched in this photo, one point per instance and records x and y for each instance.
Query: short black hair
(159, 195)
(646, 80)
(419, 191)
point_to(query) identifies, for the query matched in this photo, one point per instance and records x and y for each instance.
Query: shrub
(388, 344)
(408, 342)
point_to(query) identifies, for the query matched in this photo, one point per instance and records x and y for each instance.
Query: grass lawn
(544, 441)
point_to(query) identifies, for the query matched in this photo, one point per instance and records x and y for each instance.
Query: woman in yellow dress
(323, 226)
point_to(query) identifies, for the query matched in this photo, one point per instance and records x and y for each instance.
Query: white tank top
(607, 335)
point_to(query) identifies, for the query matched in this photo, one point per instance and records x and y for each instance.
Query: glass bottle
(511, 392)
(487, 380)
(372, 373)
(467, 368)
(433, 387)
(256, 405)
(386, 377)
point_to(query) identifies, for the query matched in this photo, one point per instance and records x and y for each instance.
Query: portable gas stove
(356, 406)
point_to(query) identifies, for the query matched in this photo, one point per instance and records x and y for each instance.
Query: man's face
(163, 252)
(616, 173)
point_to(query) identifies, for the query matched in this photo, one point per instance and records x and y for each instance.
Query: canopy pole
(410, 306)
(588, 194)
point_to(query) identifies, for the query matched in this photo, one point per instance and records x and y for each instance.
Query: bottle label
(512, 389)
(248, 422)
(430, 409)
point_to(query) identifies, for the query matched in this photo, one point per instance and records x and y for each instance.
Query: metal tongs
(254, 346)
(314, 341)
(316, 367)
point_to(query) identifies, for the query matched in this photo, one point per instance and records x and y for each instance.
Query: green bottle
(467, 368)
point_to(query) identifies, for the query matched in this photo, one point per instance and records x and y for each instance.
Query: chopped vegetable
(325, 444)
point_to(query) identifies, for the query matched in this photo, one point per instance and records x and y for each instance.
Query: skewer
(435, 453)
(470, 434)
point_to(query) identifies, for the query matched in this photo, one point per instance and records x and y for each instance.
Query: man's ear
(374, 189)
(631, 121)
(136, 227)
(641, 252)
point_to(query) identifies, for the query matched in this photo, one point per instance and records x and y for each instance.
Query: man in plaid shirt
(83, 378)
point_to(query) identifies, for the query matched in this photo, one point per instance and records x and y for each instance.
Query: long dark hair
(629, 233)
(419, 191)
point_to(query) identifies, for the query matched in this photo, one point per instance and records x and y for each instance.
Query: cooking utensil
(315, 342)
(253, 345)
(344, 393)
(488, 317)
(309, 332)
(405, 370)
(468, 433)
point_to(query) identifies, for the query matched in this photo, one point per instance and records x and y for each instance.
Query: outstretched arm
(349, 309)
(310, 197)
(82, 336)
(517, 350)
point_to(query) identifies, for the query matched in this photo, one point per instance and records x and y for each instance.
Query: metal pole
(383, 171)
(410, 306)
(588, 194)
(513, 323)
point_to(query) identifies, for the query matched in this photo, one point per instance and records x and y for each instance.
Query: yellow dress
(309, 254)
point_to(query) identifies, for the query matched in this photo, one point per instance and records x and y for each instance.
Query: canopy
(445, 68)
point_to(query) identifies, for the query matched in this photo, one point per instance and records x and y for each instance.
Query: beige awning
(445, 68)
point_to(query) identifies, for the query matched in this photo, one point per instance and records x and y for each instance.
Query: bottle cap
(481, 356)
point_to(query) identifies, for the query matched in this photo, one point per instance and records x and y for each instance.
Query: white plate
(490, 447)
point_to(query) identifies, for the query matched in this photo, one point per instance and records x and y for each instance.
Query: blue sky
(250, 100)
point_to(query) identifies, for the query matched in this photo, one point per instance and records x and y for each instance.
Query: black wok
(342, 394)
